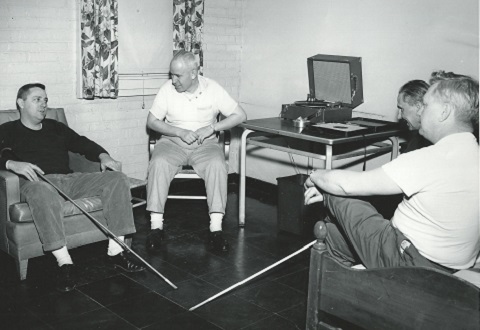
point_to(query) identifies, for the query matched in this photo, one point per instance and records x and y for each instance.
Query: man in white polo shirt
(185, 112)
(437, 223)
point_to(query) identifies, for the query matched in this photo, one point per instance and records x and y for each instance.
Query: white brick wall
(222, 53)
(38, 44)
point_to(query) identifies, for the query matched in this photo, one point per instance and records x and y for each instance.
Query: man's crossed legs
(357, 233)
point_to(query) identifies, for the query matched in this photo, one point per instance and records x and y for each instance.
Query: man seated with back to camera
(184, 112)
(437, 223)
(41, 145)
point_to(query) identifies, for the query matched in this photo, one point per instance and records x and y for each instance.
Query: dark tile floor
(109, 299)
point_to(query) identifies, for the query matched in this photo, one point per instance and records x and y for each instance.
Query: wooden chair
(187, 172)
(18, 235)
(340, 297)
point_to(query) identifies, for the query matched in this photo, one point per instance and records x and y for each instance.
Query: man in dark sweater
(41, 145)
(410, 104)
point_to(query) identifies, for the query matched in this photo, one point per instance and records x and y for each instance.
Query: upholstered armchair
(18, 235)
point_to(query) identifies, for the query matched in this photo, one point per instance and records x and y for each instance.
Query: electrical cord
(292, 160)
(364, 152)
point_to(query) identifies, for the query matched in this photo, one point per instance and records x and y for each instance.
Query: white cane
(253, 276)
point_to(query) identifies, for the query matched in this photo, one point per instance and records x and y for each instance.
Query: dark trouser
(46, 204)
(358, 233)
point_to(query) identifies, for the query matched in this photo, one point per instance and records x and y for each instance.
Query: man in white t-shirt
(185, 112)
(437, 223)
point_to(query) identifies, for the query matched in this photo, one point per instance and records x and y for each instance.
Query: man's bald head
(184, 71)
(186, 59)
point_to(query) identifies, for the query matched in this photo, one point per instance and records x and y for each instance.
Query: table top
(284, 127)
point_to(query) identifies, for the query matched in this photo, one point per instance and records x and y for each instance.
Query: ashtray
(300, 122)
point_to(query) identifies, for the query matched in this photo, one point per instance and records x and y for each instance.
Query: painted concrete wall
(222, 42)
(397, 40)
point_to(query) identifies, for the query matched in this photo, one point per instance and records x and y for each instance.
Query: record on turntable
(343, 129)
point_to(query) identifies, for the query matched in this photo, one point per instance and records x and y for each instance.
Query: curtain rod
(134, 89)
(144, 74)
(139, 95)
(142, 78)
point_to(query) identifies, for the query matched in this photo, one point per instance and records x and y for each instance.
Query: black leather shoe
(155, 239)
(217, 242)
(126, 262)
(66, 278)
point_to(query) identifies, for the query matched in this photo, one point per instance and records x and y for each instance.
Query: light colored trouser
(207, 160)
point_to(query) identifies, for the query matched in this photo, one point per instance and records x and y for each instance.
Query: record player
(335, 85)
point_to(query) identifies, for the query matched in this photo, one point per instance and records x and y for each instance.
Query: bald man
(185, 112)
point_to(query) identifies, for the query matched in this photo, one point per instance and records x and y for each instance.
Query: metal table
(280, 134)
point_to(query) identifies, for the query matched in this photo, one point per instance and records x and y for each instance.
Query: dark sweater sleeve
(415, 141)
(80, 144)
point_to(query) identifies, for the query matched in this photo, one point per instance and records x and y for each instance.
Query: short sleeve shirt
(440, 211)
(192, 111)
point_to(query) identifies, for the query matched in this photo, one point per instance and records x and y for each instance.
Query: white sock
(113, 247)
(216, 221)
(156, 220)
(62, 256)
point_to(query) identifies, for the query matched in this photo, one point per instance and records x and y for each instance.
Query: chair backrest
(52, 113)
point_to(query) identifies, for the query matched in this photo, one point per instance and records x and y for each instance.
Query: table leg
(328, 157)
(394, 141)
(310, 164)
(243, 170)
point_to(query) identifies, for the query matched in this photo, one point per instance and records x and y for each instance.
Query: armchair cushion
(20, 212)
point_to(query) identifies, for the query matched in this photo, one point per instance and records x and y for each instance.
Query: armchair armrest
(224, 137)
(9, 189)
(153, 137)
(9, 194)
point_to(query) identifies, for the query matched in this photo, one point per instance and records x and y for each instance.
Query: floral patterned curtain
(99, 23)
(188, 27)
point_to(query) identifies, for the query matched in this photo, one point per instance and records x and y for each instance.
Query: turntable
(335, 85)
